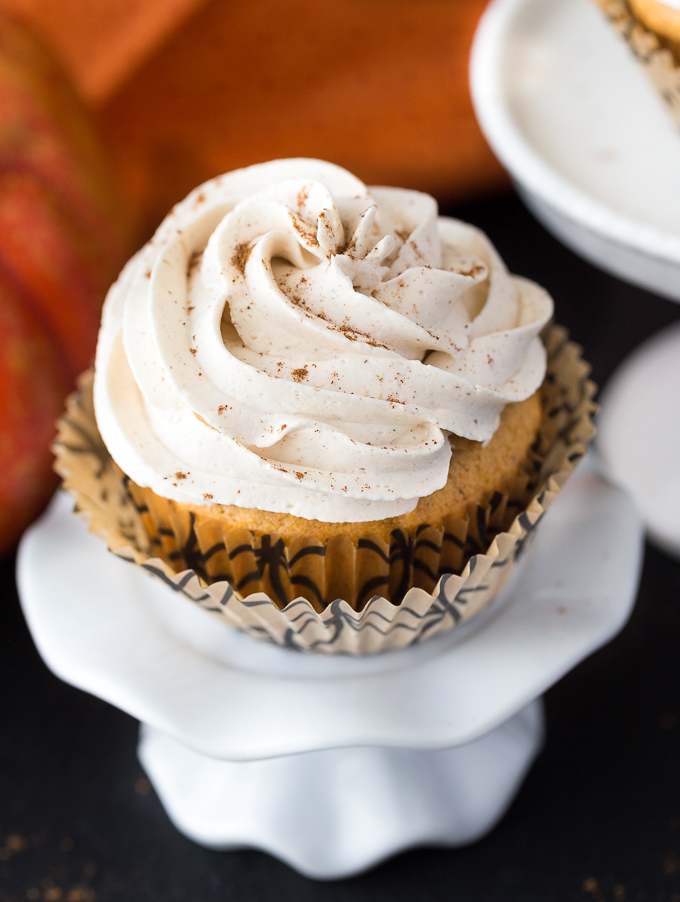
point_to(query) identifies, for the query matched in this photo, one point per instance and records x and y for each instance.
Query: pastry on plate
(324, 410)
(652, 30)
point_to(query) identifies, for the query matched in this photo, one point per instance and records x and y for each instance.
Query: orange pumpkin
(379, 87)
(191, 88)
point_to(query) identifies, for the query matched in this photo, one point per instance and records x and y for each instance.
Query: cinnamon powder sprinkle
(180, 475)
(194, 260)
(207, 496)
(472, 271)
(356, 335)
(301, 199)
(305, 231)
(300, 374)
(241, 254)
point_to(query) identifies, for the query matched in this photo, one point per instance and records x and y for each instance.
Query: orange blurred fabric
(101, 42)
(187, 89)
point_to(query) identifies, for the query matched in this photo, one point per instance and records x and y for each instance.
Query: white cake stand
(333, 764)
(596, 157)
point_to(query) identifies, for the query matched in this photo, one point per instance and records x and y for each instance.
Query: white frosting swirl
(292, 341)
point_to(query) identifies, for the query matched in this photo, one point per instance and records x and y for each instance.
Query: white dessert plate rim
(527, 165)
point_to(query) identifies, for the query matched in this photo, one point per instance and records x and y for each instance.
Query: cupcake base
(288, 557)
(338, 596)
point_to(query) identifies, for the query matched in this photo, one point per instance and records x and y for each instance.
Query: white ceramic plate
(112, 629)
(588, 142)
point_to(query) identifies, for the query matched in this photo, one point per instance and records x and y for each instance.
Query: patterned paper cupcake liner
(659, 57)
(335, 597)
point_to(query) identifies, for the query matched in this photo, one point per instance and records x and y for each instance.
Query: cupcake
(652, 30)
(323, 411)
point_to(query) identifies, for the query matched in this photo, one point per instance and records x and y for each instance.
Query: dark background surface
(598, 817)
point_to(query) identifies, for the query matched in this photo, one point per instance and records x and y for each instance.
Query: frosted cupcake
(652, 30)
(323, 394)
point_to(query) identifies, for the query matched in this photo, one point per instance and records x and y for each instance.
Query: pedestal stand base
(335, 812)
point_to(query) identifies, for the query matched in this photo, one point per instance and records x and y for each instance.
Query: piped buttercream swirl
(293, 341)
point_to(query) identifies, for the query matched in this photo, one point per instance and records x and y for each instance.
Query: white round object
(573, 118)
(336, 812)
(639, 433)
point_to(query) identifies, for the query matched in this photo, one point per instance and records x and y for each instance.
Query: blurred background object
(100, 42)
(186, 89)
(63, 237)
(576, 122)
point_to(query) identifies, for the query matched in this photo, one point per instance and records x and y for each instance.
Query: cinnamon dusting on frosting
(372, 328)
(240, 257)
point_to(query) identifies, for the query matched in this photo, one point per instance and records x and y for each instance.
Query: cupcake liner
(335, 597)
(651, 50)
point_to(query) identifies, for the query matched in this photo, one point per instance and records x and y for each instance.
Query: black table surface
(598, 817)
